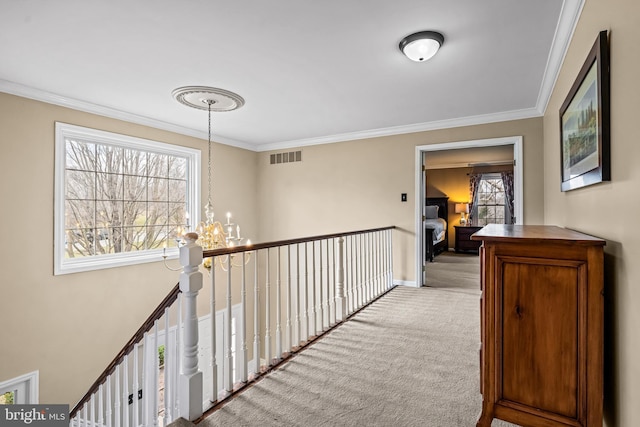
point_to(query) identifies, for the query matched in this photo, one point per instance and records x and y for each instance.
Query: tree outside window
(491, 201)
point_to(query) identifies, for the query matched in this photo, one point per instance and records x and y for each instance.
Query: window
(21, 390)
(491, 200)
(119, 200)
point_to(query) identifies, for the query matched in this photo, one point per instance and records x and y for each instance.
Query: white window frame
(487, 176)
(63, 131)
(25, 386)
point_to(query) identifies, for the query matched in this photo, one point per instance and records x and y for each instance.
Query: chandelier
(213, 234)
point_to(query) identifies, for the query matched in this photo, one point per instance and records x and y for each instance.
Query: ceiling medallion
(201, 97)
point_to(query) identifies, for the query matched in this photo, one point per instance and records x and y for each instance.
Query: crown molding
(569, 17)
(88, 107)
(399, 130)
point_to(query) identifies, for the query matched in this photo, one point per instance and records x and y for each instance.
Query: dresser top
(532, 233)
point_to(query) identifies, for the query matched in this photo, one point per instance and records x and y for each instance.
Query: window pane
(134, 214)
(500, 198)
(80, 185)
(500, 213)
(177, 191)
(156, 237)
(177, 214)
(108, 159)
(109, 186)
(80, 155)
(157, 213)
(158, 189)
(79, 213)
(133, 239)
(134, 162)
(178, 167)
(158, 165)
(135, 187)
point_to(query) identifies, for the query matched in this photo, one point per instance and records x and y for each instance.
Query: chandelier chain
(209, 188)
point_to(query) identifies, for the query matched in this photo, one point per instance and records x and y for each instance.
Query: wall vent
(286, 157)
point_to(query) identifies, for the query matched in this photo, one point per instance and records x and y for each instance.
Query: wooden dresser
(542, 321)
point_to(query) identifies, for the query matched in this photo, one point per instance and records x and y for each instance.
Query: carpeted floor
(409, 359)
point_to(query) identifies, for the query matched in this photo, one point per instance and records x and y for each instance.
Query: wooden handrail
(258, 246)
(157, 313)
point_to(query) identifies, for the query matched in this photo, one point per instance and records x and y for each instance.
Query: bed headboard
(443, 206)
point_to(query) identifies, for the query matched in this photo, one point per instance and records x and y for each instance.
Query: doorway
(423, 151)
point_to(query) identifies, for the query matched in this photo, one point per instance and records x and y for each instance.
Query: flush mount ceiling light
(421, 46)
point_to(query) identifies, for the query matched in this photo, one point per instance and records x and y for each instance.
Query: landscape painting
(585, 148)
(580, 130)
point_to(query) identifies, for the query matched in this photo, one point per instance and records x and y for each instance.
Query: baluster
(190, 285)
(352, 274)
(287, 330)
(136, 387)
(116, 395)
(256, 315)
(177, 365)
(278, 307)
(305, 315)
(331, 266)
(168, 359)
(92, 401)
(100, 420)
(359, 267)
(376, 265)
(267, 335)
(320, 289)
(156, 376)
(145, 380)
(298, 290)
(390, 257)
(312, 317)
(109, 408)
(340, 299)
(241, 353)
(125, 392)
(213, 362)
(326, 318)
(84, 414)
(367, 250)
(228, 366)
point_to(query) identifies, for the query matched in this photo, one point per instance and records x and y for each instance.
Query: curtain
(474, 184)
(507, 181)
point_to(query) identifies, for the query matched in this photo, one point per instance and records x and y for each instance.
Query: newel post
(340, 300)
(190, 390)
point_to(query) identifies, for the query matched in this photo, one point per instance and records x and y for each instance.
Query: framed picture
(584, 123)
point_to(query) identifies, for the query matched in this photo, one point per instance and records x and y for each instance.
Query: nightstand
(463, 238)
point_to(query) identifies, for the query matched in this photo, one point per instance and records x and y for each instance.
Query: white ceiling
(310, 71)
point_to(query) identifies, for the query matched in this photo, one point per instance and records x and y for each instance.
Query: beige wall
(357, 184)
(608, 210)
(70, 327)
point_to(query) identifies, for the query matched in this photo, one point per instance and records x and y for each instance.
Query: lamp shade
(462, 207)
(421, 46)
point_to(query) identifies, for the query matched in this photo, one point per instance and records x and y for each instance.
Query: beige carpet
(409, 359)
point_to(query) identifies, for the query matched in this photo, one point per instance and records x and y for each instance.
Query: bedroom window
(491, 200)
(119, 200)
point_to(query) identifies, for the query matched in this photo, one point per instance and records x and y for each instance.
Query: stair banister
(190, 285)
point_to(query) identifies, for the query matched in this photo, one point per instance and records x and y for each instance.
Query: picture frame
(585, 148)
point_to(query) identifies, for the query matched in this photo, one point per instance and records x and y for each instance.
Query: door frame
(420, 185)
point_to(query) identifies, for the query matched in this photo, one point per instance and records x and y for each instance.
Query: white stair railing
(209, 352)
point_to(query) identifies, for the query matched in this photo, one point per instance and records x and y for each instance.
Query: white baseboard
(410, 283)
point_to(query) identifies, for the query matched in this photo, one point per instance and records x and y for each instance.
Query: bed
(436, 227)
